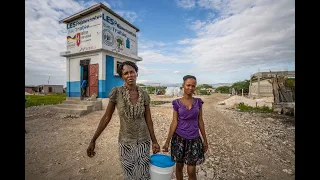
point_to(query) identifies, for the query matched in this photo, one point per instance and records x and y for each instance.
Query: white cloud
(115, 3)
(186, 3)
(211, 15)
(154, 57)
(146, 81)
(143, 69)
(244, 37)
(263, 34)
(91, 3)
(128, 15)
(185, 41)
(148, 44)
(45, 38)
(227, 7)
(196, 25)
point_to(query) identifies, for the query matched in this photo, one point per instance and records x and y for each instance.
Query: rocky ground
(241, 145)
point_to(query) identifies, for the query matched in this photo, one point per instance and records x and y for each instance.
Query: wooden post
(250, 89)
(258, 93)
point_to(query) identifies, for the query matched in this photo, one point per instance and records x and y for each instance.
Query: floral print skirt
(187, 151)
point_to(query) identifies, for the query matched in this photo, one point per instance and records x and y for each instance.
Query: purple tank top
(188, 120)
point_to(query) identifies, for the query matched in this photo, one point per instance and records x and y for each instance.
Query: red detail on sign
(78, 39)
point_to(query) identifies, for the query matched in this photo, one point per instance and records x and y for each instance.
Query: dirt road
(241, 145)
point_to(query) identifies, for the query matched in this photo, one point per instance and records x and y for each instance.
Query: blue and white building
(97, 40)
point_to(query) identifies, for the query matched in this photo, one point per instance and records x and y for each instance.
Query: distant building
(260, 85)
(31, 89)
(47, 89)
(44, 89)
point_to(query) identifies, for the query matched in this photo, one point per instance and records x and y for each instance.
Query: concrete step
(69, 111)
(75, 106)
(78, 107)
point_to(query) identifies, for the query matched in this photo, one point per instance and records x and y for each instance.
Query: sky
(218, 41)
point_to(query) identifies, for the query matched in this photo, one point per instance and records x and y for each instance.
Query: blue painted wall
(73, 89)
(102, 89)
(112, 80)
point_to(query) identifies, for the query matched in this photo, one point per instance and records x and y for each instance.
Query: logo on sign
(78, 39)
(107, 37)
(120, 43)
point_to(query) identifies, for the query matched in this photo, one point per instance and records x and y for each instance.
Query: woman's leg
(179, 171)
(127, 160)
(191, 172)
(194, 156)
(177, 154)
(143, 160)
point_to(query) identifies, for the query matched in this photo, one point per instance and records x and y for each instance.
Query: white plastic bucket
(161, 167)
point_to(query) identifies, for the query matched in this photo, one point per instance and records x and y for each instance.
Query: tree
(119, 41)
(206, 86)
(203, 86)
(289, 82)
(241, 85)
(223, 89)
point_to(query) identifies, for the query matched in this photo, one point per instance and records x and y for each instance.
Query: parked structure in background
(31, 89)
(47, 89)
(44, 89)
(273, 84)
(260, 83)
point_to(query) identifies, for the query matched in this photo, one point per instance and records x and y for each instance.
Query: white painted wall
(103, 64)
(67, 70)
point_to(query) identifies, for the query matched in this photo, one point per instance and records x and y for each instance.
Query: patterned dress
(134, 137)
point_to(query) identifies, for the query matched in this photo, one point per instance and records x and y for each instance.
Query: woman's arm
(104, 120)
(172, 129)
(202, 130)
(155, 145)
(150, 124)
(173, 126)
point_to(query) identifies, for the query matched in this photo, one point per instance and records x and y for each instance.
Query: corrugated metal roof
(93, 9)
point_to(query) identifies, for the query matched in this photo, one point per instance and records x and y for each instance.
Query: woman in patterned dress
(187, 147)
(136, 126)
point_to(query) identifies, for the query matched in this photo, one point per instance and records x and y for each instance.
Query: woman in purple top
(187, 147)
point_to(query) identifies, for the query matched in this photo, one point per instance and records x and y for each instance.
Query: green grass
(245, 108)
(50, 99)
(203, 92)
(159, 102)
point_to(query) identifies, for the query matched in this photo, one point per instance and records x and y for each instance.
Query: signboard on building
(101, 30)
(118, 36)
(84, 34)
